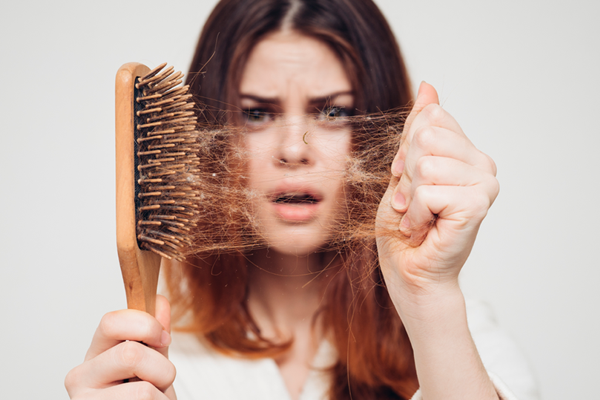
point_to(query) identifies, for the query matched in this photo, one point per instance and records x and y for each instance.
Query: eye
(257, 115)
(334, 112)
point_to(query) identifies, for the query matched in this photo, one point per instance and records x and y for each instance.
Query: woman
(296, 318)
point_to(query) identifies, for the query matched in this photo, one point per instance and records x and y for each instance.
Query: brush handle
(140, 268)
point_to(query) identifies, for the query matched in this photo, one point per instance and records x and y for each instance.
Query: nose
(293, 149)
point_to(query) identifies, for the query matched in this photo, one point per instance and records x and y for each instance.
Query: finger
(458, 208)
(435, 141)
(141, 390)
(426, 95)
(125, 361)
(443, 171)
(434, 115)
(170, 392)
(442, 142)
(163, 316)
(118, 326)
(131, 391)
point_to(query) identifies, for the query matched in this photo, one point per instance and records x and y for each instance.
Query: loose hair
(209, 291)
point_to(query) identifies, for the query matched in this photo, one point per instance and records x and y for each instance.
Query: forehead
(288, 63)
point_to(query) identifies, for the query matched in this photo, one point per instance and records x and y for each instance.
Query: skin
(437, 171)
(117, 353)
(289, 82)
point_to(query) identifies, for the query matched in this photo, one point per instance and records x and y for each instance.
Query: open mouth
(295, 198)
(296, 205)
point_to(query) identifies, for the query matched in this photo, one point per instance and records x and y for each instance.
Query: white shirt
(204, 374)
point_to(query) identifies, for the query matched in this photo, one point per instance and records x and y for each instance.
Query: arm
(118, 365)
(438, 175)
(502, 358)
(507, 368)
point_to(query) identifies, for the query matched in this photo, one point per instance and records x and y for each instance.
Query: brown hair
(375, 355)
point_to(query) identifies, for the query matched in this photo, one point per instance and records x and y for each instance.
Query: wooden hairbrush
(156, 147)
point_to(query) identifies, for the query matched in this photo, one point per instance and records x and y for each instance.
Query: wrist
(429, 306)
(447, 362)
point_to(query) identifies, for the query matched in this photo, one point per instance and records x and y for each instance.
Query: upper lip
(298, 190)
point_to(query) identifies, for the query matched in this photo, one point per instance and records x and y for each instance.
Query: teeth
(296, 198)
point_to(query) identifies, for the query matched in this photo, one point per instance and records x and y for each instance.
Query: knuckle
(118, 325)
(494, 188)
(424, 136)
(129, 354)
(108, 324)
(495, 184)
(435, 112)
(73, 376)
(426, 168)
(144, 391)
(480, 204)
(421, 192)
(492, 164)
(149, 330)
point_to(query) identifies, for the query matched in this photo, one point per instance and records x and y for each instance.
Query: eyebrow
(277, 101)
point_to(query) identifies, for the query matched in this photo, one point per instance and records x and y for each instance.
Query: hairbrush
(156, 157)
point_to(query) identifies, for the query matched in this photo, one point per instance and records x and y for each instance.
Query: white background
(522, 77)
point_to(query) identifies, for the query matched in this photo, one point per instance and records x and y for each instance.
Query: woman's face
(295, 94)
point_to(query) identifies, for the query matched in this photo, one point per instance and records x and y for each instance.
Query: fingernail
(399, 201)
(397, 167)
(405, 223)
(165, 339)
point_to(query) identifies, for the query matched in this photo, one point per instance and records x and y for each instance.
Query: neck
(286, 290)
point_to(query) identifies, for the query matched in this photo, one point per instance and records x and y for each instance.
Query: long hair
(209, 294)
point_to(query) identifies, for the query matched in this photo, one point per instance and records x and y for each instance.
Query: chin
(297, 240)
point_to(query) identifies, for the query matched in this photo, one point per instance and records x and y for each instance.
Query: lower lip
(296, 212)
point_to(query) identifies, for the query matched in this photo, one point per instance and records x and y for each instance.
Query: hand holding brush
(156, 163)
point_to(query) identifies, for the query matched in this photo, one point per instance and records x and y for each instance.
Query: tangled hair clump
(227, 222)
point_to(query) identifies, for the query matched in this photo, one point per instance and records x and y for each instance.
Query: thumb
(163, 315)
(426, 95)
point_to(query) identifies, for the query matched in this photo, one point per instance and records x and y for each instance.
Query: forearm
(442, 189)
(448, 364)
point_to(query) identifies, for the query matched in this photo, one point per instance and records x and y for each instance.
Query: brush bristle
(166, 163)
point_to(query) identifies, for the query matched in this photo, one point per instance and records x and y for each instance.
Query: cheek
(333, 150)
(257, 155)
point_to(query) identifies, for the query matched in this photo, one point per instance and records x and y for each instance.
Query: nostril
(278, 160)
(304, 161)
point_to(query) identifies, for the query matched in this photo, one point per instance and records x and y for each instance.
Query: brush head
(166, 163)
